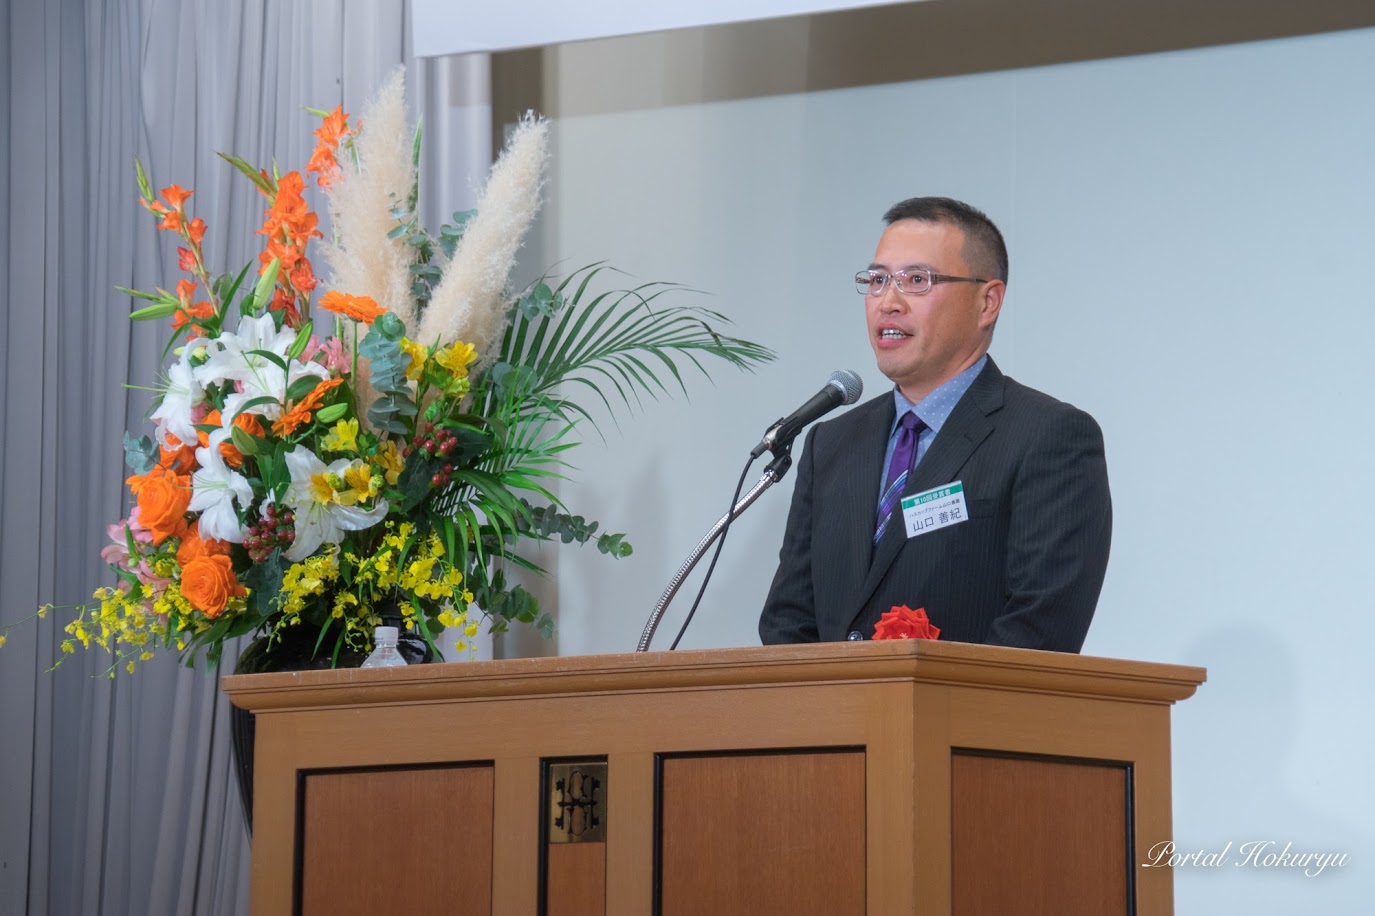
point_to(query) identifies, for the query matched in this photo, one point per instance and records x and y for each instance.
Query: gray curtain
(117, 795)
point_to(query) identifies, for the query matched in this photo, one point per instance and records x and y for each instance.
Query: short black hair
(984, 247)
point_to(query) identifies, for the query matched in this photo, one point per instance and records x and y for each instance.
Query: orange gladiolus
(186, 259)
(285, 301)
(303, 276)
(322, 161)
(333, 126)
(163, 496)
(171, 221)
(176, 195)
(359, 308)
(300, 414)
(196, 230)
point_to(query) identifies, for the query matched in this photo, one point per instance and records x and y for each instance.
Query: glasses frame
(864, 280)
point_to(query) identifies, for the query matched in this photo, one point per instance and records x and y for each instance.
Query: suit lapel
(855, 516)
(966, 427)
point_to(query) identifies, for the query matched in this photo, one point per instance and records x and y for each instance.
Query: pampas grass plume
(363, 261)
(469, 304)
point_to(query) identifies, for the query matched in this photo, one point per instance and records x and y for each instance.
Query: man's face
(922, 341)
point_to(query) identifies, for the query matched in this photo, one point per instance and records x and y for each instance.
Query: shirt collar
(935, 408)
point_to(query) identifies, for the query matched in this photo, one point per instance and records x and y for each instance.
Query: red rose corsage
(904, 623)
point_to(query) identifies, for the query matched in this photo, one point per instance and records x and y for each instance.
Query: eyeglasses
(914, 281)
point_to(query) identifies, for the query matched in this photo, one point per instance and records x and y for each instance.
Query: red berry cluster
(276, 528)
(436, 444)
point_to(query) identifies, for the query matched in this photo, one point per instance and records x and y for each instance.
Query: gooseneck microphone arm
(783, 460)
(843, 387)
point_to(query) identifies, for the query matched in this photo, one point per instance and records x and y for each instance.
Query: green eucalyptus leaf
(140, 454)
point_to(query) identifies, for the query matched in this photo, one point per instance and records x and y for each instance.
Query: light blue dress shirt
(933, 410)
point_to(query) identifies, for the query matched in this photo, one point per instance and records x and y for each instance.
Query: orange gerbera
(359, 308)
(300, 414)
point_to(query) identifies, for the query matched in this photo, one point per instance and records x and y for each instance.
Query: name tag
(937, 508)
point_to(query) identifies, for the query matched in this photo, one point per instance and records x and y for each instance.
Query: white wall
(1191, 246)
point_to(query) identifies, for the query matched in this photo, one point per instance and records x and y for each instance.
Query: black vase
(296, 651)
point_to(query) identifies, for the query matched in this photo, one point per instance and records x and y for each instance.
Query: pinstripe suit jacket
(1024, 570)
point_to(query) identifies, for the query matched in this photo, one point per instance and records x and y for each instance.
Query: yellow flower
(456, 358)
(343, 437)
(418, 354)
(470, 630)
(358, 485)
(389, 460)
(3, 639)
(42, 612)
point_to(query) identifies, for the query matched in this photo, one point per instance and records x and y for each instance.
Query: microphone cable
(720, 543)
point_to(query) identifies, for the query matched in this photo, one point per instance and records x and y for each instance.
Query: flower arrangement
(385, 445)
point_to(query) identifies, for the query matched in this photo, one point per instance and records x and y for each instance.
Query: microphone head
(849, 383)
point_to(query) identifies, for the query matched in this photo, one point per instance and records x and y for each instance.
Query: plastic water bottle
(384, 654)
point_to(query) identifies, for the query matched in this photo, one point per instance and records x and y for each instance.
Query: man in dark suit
(1013, 556)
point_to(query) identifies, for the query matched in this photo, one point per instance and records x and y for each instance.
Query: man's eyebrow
(874, 265)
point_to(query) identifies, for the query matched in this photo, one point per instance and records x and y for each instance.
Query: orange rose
(209, 582)
(181, 459)
(193, 547)
(228, 451)
(904, 623)
(163, 496)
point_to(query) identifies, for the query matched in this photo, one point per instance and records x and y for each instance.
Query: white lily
(231, 358)
(182, 395)
(319, 519)
(215, 488)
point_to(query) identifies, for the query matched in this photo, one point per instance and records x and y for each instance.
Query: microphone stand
(783, 460)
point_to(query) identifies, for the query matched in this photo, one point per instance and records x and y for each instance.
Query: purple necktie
(904, 455)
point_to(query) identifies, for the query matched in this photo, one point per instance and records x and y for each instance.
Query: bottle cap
(385, 636)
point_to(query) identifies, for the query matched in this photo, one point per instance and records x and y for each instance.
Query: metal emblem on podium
(577, 802)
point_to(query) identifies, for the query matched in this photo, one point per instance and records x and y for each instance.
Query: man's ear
(992, 304)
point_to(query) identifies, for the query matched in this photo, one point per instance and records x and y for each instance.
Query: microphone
(843, 387)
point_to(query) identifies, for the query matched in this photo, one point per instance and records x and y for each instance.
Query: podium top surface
(914, 660)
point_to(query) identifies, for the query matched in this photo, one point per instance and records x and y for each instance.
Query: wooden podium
(892, 777)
